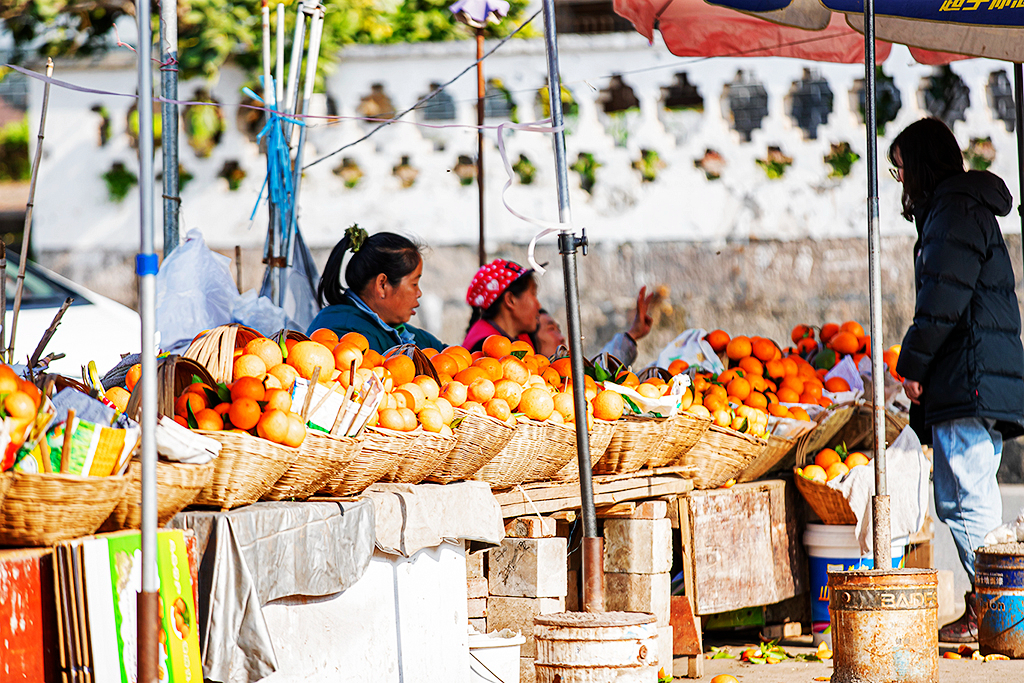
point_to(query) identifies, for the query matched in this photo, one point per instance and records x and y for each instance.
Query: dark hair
(930, 154)
(517, 287)
(393, 255)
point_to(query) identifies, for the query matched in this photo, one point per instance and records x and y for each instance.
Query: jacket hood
(984, 187)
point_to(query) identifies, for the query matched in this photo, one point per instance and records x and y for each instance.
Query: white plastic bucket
(494, 657)
(834, 548)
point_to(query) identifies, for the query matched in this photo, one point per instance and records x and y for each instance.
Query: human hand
(642, 321)
(913, 390)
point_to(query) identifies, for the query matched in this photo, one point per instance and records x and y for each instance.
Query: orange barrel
(999, 584)
(885, 626)
(597, 647)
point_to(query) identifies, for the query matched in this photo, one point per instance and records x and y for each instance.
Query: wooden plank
(531, 499)
(684, 522)
(622, 510)
(685, 628)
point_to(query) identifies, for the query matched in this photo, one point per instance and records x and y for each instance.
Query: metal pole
(593, 553)
(269, 96)
(169, 120)
(1018, 122)
(880, 503)
(291, 93)
(481, 91)
(279, 62)
(146, 268)
(27, 231)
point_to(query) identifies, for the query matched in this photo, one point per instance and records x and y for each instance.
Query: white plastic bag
(194, 291)
(1012, 532)
(259, 313)
(691, 347)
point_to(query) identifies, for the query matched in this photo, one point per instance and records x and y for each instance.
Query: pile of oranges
(829, 464)
(838, 341)
(20, 401)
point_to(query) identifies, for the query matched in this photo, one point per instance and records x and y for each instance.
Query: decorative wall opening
(248, 120)
(349, 172)
(712, 163)
(980, 154)
(106, 126)
(682, 94)
(617, 97)
(945, 95)
(133, 127)
(498, 102)
(204, 125)
(440, 107)
(887, 99)
(232, 172)
(405, 172)
(569, 106)
(377, 105)
(747, 103)
(809, 103)
(999, 92)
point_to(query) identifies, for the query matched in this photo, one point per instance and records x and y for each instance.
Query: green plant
(841, 158)
(586, 165)
(14, 163)
(106, 125)
(887, 100)
(618, 127)
(775, 163)
(497, 84)
(133, 127)
(980, 154)
(203, 125)
(569, 106)
(649, 164)
(349, 172)
(525, 169)
(120, 182)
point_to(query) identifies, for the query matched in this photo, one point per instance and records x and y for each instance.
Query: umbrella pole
(169, 120)
(146, 269)
(880, 503)
(1018, 107)
(568, 243)
(27, 231)
(481, 91)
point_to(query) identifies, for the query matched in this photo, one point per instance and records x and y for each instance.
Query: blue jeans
(966, 457)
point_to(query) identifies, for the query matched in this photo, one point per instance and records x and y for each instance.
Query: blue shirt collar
(401, 332)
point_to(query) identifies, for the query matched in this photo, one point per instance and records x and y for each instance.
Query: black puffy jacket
(964, 346)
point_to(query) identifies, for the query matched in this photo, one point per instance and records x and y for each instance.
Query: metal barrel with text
(999, 583)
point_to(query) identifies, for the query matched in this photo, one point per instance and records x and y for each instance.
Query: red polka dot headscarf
(491, 280)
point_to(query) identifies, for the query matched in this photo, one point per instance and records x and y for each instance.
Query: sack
(194, 291)
(691, 347)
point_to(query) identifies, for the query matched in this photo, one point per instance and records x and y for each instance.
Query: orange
(345, 356)
(496, 346)
(648, 390)
(278, 399)
(563, 366)
(18, 404)
(116, 395)
(461, 355)
(853, 327)
(756, 400)
(717, 390)
(296, 432)
(787, 395)
(414, 396)
(490, 366)
(402, 369)
(729, 375)
(608, 405)
(757, 382)
(249, 365)
(826, 457)
(410, 419)
(308, 355)
(790, 365)
(371, 359)
(520, 345)
(739, 388)
(248, 387)
(792, 382)
(627, 379)
(800, 332)
(445, 364)
(285, 374)
(776, 369)
(181, 420)
(551, 377)
(474, 407)
(31, 389)
(805, 346)
(273, 426)
(715, 403)
(856, 460)
(800, 414)
(514, 369)
(718, 339)
(209, 420)
(222, 408)
(357, 340)
(390, 418)
(813, 389)
(824, 402)
(267, 349)
(837, 384)
(429, 352)
(779, 410)
(508, 391)
(191, 399)
(700, 383)
(130, 380)
(443, 407)
(470, 375)
(431, 419)
(699, 411)
(455, 392)
(678, 366)
(828, 330)
(836, 470)
(815, 473)
(751, 365)
(564, 406)
(498, 409)
(244, 413)
(427, 384)
(536, 404)
(764, 350)
(738, 347)
(324, 336)
(481, 390)
(845, 342)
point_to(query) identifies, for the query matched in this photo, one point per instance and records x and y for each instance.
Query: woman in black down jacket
(962, 357)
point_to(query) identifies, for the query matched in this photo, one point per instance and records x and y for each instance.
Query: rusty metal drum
(596, 647)
(885, 626)
(999, 584)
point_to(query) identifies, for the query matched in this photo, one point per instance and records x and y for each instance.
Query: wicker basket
(177, 485)
(857, 432)
(245, 469)
(292, 335)
(429, 452)
(720, 455)
(174, 374)
(601, 433)
(215, 349)
(419, 359)
(777, 449)
(682, 432)
(635, 440)
(478, 439)
(381, 452)
(533, 451)
(44, 509)
(828, 503)
(321, 457)
(829, 424)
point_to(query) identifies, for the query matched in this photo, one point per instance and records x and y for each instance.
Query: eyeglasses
(896, 174)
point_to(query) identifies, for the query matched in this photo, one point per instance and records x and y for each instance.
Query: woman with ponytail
(383, 290)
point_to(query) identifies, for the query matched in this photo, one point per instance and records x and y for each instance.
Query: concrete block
(518, 614)
(665, 648)
(476, 587)
(650, 593)
(527, 672)
(528, 568)
(479, 623)
(477, 607)
(651, 509)
(638, 546)
(572, 595)
(791, 629)
(475, 565)
(531, 527)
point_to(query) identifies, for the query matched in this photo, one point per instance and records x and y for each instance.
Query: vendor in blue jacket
(383, 278)
(961, 358)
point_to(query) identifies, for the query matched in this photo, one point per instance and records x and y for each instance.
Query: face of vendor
(395, 304)
(549, 335)
(524, 308)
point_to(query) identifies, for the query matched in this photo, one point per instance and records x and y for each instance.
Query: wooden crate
(745, 546)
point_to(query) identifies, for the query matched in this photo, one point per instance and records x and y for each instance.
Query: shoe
(964, 629)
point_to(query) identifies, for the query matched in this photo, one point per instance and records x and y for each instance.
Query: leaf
(284, 346)
(721, 653)
(191, 418)
(602, 375)
(223, 393)
(632, 406)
